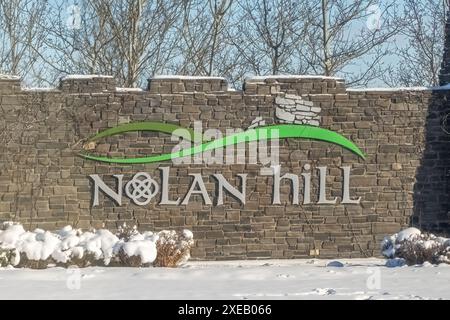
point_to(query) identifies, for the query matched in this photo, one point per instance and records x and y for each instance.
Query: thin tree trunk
(326, 38)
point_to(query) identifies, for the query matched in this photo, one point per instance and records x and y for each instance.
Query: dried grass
(173, 249)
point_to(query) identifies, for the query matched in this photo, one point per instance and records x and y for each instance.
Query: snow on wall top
(9, 77)
(180, 77)
(118, 89)
(84, 76)
(291, 76)
(389, 89)
(31, 89)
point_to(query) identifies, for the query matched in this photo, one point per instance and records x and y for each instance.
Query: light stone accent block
(293, 109)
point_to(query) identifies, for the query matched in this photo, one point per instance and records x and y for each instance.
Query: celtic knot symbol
(141, 189)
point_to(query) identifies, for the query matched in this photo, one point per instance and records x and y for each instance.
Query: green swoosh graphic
(262, 133)
(149, 126)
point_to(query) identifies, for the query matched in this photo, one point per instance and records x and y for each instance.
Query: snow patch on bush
(407, 233)
(145, 249)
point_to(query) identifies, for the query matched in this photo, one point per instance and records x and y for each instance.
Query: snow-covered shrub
(67, 247)
(125, 232)
(416, 247)
(421, 248)
(139, 250)
(173, 248)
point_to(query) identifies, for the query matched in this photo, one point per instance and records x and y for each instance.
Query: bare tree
(268, 33)
(135, 39)
(130, 39)
(20, 32)
(341, 33)
(420, 52)
(202, 38)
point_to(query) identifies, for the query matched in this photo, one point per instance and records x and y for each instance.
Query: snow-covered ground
(241, 280)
